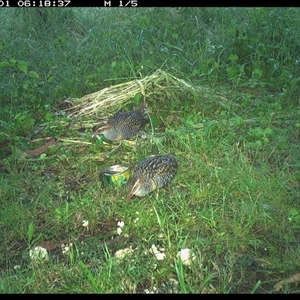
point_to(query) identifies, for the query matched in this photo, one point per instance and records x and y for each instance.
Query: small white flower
(65, 249)
(119, 230)
(147, 291)
(39, 253)
(17, 267)
(186, 256)
(159, 255)
(136, 220)
(123, 252)
(85, 223)
(121, 223)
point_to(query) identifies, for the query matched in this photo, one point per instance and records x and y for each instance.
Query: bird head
(109, 131)
(133, 185)
(99, 130)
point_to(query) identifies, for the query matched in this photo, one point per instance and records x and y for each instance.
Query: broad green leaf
(258, 71)
(33, 74)
(22, 65)
(268, 130)
(233, 57)
(6, 64)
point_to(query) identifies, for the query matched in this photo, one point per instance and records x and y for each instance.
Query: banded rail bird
(123, 125)
(150, 174)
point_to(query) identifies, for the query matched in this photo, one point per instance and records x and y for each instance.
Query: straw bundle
(109, 100)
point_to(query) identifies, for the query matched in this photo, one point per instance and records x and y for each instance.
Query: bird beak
(133, 190)
(129, 196)
(95, 133)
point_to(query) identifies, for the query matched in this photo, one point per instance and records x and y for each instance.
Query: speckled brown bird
(151, 174)
(123, 125)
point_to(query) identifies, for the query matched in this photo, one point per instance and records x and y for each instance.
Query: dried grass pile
(111, 99)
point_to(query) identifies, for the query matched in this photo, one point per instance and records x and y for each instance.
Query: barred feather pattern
(123, 126)
(151, 174)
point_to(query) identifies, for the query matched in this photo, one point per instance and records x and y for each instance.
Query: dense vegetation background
(235, 200)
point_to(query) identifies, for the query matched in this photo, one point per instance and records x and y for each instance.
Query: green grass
(234, 201)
